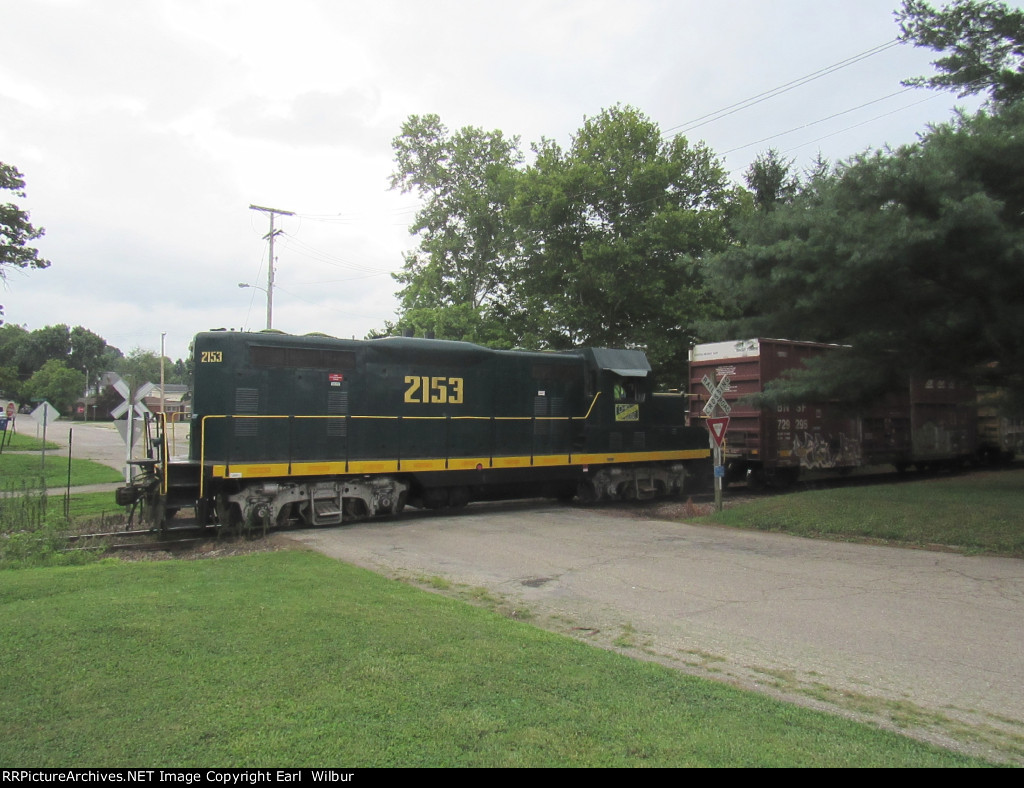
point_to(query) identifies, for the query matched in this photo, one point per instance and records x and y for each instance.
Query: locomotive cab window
(628, 390)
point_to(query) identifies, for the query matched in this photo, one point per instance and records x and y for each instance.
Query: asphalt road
(927, 642)
(97, 441)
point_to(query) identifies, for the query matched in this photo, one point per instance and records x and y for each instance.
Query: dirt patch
(213, 548)
(674, 510)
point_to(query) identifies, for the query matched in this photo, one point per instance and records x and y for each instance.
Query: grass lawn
(17, 470)
(14, 441)
(293, 659)
(977, 512)
(87, 506)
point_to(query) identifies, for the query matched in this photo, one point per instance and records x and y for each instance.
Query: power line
(329, 259)
(321, 305)
(341, 218)
(825, 119)
(778, 91)
(862, 123)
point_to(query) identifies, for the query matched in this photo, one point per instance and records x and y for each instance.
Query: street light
(270, 301)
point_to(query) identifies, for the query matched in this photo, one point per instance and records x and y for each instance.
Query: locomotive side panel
(258, 399)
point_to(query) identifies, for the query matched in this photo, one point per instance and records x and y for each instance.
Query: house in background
(109, 400)
(175, 399)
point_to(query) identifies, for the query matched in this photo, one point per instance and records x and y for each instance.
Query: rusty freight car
(927, 423)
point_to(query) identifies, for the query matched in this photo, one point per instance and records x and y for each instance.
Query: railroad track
(179, 537)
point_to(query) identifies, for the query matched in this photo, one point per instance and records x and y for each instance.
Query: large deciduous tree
(138, 368)
(45, 344)
(600, 243)
(16, 231)
(57, 384)
(77, 348)
(915, 257)
(87, 350)
(466, 180)
(983, 43)
(618, 226)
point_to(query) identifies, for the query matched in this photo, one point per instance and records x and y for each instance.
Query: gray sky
(146, 128)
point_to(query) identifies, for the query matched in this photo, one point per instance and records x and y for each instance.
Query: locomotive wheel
(435, 498)
(155, 513)
(355, 509)
(228, 514)
(290, 516)
(585, 493)
(458, 497)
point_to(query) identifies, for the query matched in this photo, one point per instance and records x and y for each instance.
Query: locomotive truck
(312, 430)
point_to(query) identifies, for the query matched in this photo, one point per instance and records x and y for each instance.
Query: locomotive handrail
(203, 420)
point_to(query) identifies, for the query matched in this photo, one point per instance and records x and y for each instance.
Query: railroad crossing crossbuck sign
(717, 398)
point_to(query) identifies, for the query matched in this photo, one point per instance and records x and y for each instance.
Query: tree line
(59, 364)
(631, 237)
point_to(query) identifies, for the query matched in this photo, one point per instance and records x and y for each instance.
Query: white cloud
(145, 129)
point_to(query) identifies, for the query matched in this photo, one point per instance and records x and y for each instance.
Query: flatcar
(927, 423)
(312, 430)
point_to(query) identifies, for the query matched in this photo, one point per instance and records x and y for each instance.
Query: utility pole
(270, 268)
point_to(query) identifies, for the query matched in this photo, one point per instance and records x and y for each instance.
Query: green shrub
(34, 531)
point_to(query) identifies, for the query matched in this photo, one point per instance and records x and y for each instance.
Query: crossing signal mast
(717, 426)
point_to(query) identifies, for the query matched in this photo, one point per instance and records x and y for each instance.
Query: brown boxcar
(1000, 436)
(928, 423)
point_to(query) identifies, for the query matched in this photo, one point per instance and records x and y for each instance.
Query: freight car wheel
(784, 478)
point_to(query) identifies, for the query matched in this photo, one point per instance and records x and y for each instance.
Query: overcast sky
(146, 128)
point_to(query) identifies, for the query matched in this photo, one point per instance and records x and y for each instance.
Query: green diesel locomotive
(311, 430)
